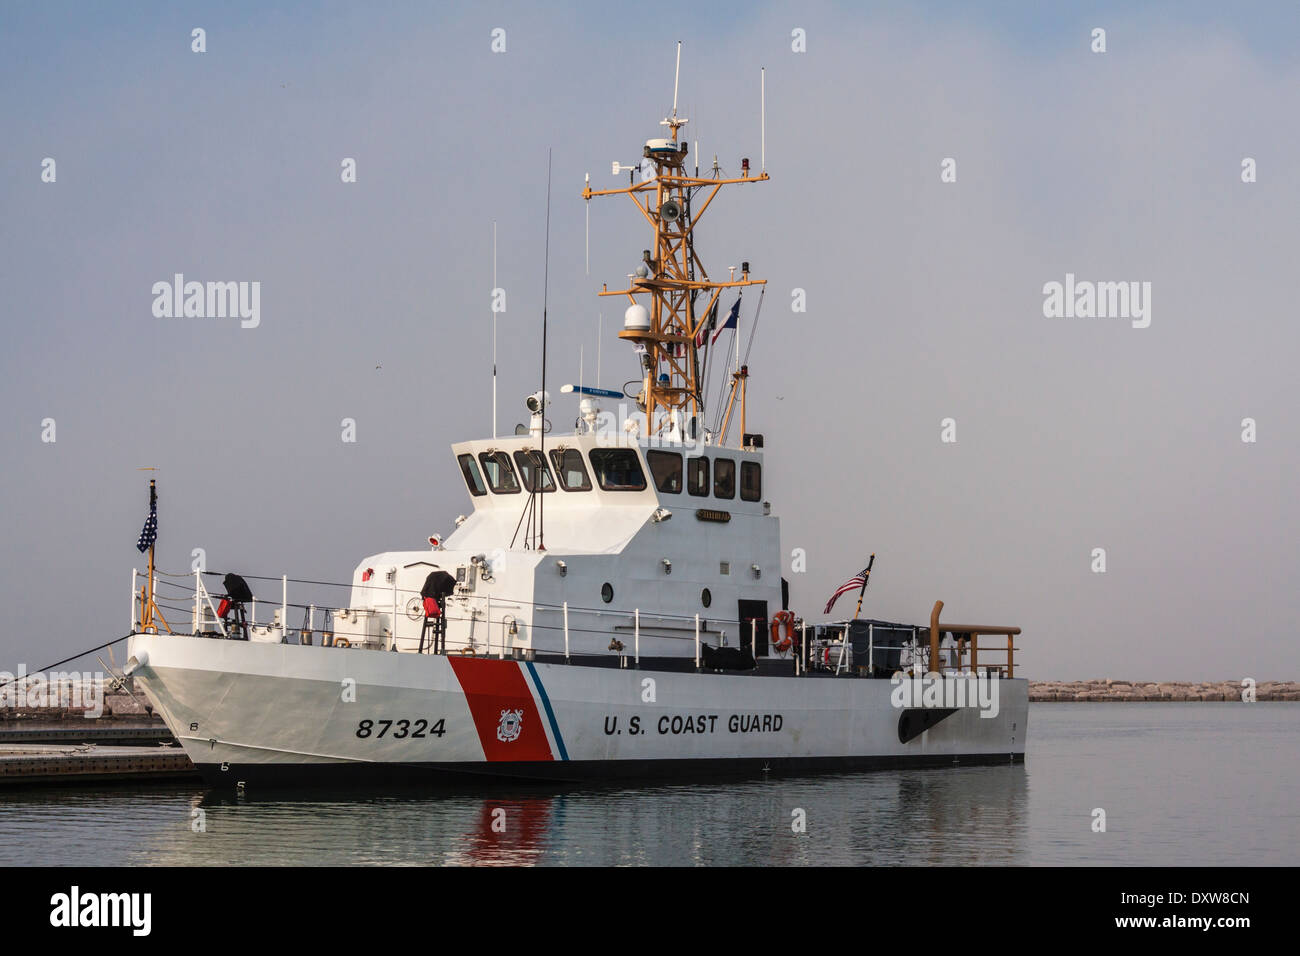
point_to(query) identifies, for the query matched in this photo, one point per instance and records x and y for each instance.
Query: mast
(671, 280)
(148, 581)
(149, 536)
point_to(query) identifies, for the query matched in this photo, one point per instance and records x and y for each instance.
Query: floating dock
(124, 732)
(28, 763)
(125, 744)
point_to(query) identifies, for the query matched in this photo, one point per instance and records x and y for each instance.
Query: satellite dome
(636, 319)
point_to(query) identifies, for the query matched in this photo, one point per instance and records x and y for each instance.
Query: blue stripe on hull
(550, 714)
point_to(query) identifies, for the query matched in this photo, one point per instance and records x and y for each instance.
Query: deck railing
(969, 634)
(689, 627)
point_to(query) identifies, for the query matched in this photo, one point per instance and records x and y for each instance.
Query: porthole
(607, 592)
(706, 597)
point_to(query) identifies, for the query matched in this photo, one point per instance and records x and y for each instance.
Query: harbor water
(1173, 784)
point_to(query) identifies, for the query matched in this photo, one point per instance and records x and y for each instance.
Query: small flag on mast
(149, 534)
(732, 318)
(707, 326)
(859, 580)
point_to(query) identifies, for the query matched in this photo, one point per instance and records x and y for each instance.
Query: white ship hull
(274, 714)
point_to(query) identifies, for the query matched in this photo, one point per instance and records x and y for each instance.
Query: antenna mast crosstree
(672, 279)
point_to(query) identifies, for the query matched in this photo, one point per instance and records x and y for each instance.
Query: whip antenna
(540, 471)
(676, 77)
(494, 328)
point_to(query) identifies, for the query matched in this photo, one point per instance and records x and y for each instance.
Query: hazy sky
(924, 298)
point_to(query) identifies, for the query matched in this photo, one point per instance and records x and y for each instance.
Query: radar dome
(636, 319)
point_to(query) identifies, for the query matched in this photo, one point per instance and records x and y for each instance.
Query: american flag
(858, 580)
(149, 534)
(710, 323)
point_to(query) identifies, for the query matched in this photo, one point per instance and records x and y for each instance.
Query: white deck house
(634, 526)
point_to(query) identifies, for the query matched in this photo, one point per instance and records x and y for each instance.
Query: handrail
(973, 630)
(200, 592)
(198, 595)
(388, 589)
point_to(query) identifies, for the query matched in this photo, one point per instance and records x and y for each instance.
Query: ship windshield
(500, 476)
(617, 469)
(751, 481)
(666, 466)
(531, 464)
(570, 469)
(724, 478)
(697, 476)
(473, 479)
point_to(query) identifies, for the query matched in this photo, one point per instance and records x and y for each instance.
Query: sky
(924, 297)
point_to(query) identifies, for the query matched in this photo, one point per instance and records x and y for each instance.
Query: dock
(125, 744)
(124, 732)
(28, 763)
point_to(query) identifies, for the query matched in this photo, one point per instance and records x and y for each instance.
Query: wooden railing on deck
(963, 632)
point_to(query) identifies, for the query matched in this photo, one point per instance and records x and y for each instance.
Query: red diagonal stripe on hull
(492, 687)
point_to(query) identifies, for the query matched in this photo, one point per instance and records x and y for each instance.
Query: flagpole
(736, 334)
(148, 581)
(866, 576)
(149, 605)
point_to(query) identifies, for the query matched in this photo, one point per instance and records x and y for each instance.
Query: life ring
(342, 642)
(782, 642)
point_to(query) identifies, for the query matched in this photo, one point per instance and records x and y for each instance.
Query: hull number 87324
(401, 728)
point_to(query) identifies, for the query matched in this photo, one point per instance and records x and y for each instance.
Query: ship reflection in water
(973, 814)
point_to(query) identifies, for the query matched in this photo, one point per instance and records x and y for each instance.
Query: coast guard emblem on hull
(512, 724)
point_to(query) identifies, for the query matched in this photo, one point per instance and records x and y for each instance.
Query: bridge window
(724, 478)
(533, 467)
(500, 476)
(570, 469)
(617, 469)
(751, 481)
(473, 479)
(697, 476)
(666, 467)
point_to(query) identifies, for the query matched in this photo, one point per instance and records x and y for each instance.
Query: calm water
(1180, 784)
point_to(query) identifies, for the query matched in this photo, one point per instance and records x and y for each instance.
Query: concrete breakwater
(1140, 691)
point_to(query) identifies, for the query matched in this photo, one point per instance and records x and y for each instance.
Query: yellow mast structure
(675, 281)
